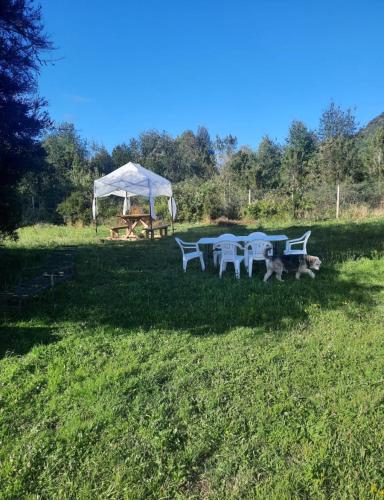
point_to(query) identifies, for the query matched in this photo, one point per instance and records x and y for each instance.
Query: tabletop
(240, 239)
(134, 216)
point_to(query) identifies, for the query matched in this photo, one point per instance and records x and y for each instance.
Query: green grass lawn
(136, 380)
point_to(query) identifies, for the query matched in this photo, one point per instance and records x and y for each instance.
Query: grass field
(136, 380)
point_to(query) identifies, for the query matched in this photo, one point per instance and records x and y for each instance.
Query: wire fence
(314, 202)
(311, 202)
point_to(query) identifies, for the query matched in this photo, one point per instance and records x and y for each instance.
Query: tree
(69, 168)
(67, 153)
(206, 152)
(101, 163)
(225, 148)
(337, 152)
(158, 152)
(241, 169)
(268, 164)
(334, 122)
(22, 114)
(122, 154)
(373, 155)
(195, 155)
(298, 153)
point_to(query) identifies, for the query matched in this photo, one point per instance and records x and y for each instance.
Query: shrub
(269, 207)
(76, 208)
(189, 200)
(197, 200)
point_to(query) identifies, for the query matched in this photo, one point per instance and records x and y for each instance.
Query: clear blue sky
(243, 67)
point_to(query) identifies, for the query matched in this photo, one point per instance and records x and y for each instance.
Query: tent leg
(150, 209)
(173, 231)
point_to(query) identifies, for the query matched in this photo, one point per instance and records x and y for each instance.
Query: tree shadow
(20, 340)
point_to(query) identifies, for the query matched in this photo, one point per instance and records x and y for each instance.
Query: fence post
(337, 200)
(249, 196)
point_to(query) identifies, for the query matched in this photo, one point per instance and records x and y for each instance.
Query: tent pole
(150, 209)
(173, 231)
(95, 209)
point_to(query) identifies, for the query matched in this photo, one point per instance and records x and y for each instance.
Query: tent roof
(134, 180)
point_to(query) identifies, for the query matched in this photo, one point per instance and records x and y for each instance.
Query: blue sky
(243, 67)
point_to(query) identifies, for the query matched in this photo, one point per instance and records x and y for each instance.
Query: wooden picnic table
(129, 223)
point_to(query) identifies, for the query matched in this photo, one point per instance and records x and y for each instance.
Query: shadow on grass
(18, 341)
(122, 286)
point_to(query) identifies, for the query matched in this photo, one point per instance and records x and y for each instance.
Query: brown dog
(302, 264)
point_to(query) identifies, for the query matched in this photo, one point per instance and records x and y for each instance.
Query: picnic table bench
(114, 231)
(150, 232)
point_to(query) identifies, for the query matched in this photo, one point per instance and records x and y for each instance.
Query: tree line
(205, 171)
(47, 171)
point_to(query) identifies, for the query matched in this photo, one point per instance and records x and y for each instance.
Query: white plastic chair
(256, 251)
(188, 255)
(300, 242)
(216, 247)
(257, 235)
(229, 254)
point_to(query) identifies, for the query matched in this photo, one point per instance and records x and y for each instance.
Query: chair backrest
(223, 237)
(227, 237)
(299, 241)
(228, 249)
(305, 239)
(257, 235)
(183, 244)
(180, 243)
(258, 248)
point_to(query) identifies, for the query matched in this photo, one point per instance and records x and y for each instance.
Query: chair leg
(185, 262)
(237, 269)
(221, 267)
(250, 266)
(202, 263)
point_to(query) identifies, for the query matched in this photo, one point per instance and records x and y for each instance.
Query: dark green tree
(194, 155)
(335, 122)
(372, 154)
(157, 153)
(122, 154)
(268, 170)
(338, 157)
(298, 163)
(101, 162)
(22, 111)
(69, 168)
(241, 169)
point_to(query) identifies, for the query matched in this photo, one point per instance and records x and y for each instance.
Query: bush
(269, 207)
(189, 200)
(76, 207)
(197, 200)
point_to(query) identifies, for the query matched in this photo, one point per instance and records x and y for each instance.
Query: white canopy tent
(134, 180)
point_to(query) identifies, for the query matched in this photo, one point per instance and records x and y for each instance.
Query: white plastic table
(273, 238)
(243, 239)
